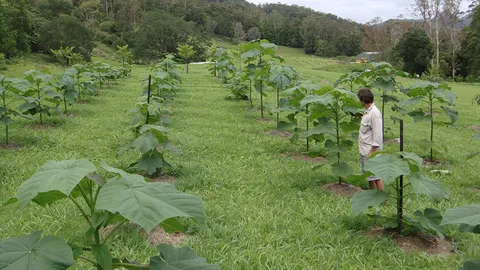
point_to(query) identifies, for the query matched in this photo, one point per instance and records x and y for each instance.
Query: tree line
(440, 42)
(435, 42)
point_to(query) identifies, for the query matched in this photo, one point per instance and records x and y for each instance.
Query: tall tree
(471, 47)
(376, 38)
(429, 11)
(238, 32)
(451, 13)
(415, 51)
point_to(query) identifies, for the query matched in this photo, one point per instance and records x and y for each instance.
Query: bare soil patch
(415, 242)
(430, 162)
(10, 146)
(264, 119)
(43, 126)
(69, 115)
(343, 189)
(281, 133)
(476, 128)
(82, 102)
(316, 159)
(159, 236)
(163, 178)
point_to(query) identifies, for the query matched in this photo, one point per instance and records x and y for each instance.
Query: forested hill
(158, 26)
(154, 28)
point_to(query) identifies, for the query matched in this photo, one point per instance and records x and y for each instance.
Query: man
(370, 137)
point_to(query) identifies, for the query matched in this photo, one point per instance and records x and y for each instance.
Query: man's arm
(377, 133)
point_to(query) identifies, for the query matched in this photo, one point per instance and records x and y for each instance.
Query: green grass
(264, 211)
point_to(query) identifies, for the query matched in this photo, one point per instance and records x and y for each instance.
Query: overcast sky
(357, 10)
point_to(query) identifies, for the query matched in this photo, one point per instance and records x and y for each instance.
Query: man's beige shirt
(370, 130)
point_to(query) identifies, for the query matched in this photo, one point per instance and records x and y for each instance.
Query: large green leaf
(349, 126)
(476, 136)
(341, 169)
(431, 188)
(451, 113)
(146, 142)
(172, 258)
(35, 253)
(102, 256)
(471, 265)
(430, 219)
(469, 215)
(280, 80)
(361, 201)
(151, 162)
(323, 99)
(387, 167)
(327, 128)
(412, 158)
(448, 96)
(148, 204)
(54, 178)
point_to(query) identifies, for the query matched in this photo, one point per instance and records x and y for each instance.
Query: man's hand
(374, 148)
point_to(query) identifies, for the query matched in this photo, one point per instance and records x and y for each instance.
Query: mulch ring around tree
(160, 236)
(430, 162)
(42, 126)
(314, 159)
(432, 245)
(280, 133)
(162, 178)
(69, 114)
(10, 146)
(343, 189)
(476, 128)
(155, 237)
(264, 119)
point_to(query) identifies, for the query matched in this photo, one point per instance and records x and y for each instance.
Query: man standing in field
(370, 137)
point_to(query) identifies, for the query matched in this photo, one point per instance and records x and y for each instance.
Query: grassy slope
(264, 211)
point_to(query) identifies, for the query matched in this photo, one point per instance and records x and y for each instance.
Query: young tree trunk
(400, 189)
(306, 114)
(64, 105)
(278, 104)
(251, 102)
(187, 67)
(431, 130)
(261, 98)
(337, 120)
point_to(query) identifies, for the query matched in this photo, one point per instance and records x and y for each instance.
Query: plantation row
(332, 115)
(106, 197)
(41, 93)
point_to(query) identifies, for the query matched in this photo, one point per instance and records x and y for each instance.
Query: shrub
(107, 26)
(3, 63)
(120, 42)
(66, 31)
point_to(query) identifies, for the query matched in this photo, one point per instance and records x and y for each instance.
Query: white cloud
(357, 10)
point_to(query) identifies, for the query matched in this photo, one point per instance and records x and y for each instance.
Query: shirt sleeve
(377, 139)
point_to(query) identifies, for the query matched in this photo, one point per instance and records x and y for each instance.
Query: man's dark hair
(365, 95)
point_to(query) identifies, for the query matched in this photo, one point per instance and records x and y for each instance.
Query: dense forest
(435, 42)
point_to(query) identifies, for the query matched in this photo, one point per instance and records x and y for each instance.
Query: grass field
(264, 210)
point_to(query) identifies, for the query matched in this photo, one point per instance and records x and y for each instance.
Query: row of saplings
(329, 114)
(42, 93)
(108, 197)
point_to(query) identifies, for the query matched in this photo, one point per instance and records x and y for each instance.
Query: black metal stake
(148, 96)
(400, 188)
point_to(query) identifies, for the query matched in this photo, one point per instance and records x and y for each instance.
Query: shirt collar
(370, 108)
